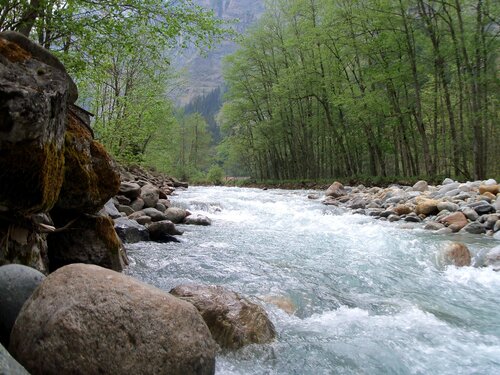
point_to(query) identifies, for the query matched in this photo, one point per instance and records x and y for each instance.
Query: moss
(31, 176)
(106, 232)
(89, 177)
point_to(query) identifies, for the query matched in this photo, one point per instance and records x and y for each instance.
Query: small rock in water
(313, 196)
(197, 220)
(154, 214)
(456, 254)
(433, 225)
(335, 190)
(284, 303)
(130, 231)
(176, 214)
(493, 258)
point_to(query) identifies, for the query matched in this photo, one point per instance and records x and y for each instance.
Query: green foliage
(324, 89)
(215, 175)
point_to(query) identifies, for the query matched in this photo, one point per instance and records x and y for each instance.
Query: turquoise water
(369, 296)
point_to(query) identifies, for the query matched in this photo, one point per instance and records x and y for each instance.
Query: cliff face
(205, 72)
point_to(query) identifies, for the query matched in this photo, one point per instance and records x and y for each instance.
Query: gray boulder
(8, 365)
(233, 320)
(474, 228)
(111, 209)
(137, 204)
(130, 189)
(17, 283)
(130, 231)
(482, 207)
(470, 213)
(421, 186)
(85, 319)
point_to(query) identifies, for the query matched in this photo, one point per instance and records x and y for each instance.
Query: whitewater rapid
(369, 296)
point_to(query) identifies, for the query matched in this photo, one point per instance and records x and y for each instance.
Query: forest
(318, 89)
(400, 88)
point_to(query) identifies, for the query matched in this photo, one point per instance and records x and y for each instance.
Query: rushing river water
(369, 296)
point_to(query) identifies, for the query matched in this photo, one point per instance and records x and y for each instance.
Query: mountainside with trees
(324, 88)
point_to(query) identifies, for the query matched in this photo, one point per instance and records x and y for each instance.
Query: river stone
(150, 195)
(448, 187)
(33, 115)
(154, 214)
(444, 231)
(111, 209)
(162, 231)
(198, 219)
(233, 320)
(89, 239)
(137, 204)
(482, 207)
(17, 283)
(127, 210)
(490, 220)
(427, 207)
(165, 202)
(447, 181)
(402, 209)
(496, 227)
(497, 204)
(282, 302)
(85, 319)
(130, 231)
(144, 220)
(492, 189)
(491, 181)
(122, 199)
(8, 365)
(474, 228)
(449, 206)
(393, 218)
(130, 189)
(176, 214)
(421, 186)
(470, 213)
(433, 225)
(493, 258)
(160, 207)
(456, 254)
(335, 190)
(456, 221)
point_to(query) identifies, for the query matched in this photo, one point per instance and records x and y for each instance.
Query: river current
(369, 297)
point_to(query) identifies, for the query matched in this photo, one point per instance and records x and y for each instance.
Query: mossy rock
(31, 176)
(90, 175)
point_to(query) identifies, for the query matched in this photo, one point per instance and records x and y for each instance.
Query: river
(370, 297)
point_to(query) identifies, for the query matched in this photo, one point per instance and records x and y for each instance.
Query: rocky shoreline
(65, 206)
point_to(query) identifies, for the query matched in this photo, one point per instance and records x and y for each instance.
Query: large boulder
(33, 115)
(88, 239)
(335, 190)
(91, 177)
(85, 319)
(233, 320)
(17, 283)
(163, 231)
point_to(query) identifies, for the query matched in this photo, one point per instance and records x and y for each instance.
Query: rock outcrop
(52, 172)
(233, 320)
(85, 319)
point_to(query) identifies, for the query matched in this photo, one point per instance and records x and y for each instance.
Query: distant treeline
(332, 88)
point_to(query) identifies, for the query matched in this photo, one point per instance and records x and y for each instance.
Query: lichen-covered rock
(33, 114)
(85, 319)
(91, 177)
(17, 283)
(233, 320)
(89, 239)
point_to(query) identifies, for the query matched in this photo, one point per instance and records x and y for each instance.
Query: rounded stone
(197, 220)
(17, 283)
(456, 254)
(176, 214)
(85, 319)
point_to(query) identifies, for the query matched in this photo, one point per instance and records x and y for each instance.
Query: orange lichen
(13, 52)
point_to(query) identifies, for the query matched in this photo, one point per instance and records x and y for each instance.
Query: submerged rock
(197, 219)
(85, 319)
(456, 254)
(233, 320)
